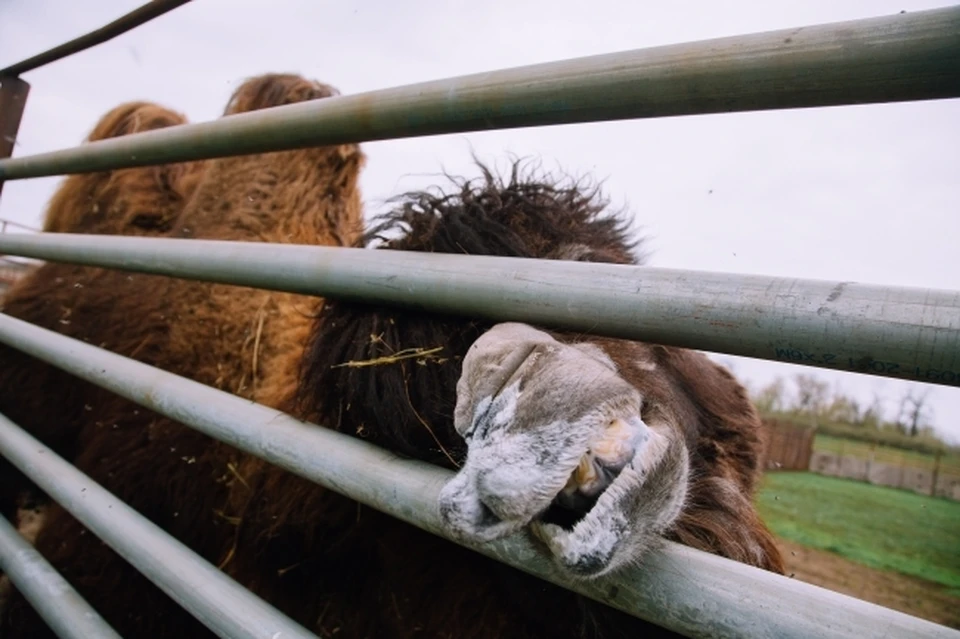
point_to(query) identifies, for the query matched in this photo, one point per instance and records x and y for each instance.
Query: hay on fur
(419, 353)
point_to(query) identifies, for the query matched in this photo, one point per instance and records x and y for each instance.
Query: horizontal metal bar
(4, 223)
(914, 56)
(220, 603)
(64, 610)
(688, 591)
(907, 333)
(118, 27)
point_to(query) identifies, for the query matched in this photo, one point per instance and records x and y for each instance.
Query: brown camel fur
(339, 568)
(241, 340)
(140, 201)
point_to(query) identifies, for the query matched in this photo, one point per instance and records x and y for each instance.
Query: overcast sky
(864, 193)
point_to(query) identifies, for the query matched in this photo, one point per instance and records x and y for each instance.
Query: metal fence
(11, 269)
(897, 332)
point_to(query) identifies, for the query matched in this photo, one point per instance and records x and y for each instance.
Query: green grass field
(880, 527)
(949, 462)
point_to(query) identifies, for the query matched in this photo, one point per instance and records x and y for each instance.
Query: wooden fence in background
(786, 446)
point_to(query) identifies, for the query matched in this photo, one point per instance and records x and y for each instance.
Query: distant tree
(815, 401)
(914, 411)
(872, 416)
(812, 394)
(928, 432)
(772, 397)
(843, 409)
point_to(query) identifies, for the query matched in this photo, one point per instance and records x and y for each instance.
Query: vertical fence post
(843, 443)
(936, 473)
(903, 467)
(13, 98)
(809, 437)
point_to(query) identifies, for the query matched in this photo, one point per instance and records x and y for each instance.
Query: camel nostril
(488, 518)
(491, 503)
(463, 511)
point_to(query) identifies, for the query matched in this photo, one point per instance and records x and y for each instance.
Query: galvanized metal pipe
(121, 25)
(690, 592)
(907, 333)
(221, 604)
(914, 56)
(64, 610)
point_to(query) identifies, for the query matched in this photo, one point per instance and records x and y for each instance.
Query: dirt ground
(907, 594)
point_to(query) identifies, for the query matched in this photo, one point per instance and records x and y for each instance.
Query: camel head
(134, 201)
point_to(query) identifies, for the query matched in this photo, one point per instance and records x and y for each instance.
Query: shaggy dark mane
(407, 404)
(530, 214)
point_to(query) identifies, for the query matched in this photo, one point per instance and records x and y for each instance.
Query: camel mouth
(566, 516)
(569, 508)
(596, 472)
